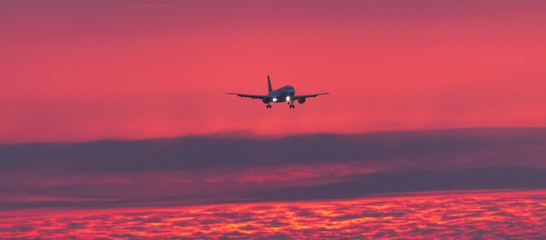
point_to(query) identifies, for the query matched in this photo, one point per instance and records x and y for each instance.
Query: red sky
(78, 71)
(138, 69)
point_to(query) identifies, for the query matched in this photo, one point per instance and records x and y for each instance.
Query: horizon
(255, 135)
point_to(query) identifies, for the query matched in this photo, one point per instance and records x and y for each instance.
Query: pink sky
(77, 71)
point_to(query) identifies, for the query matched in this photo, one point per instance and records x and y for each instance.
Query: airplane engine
(301, 100)
(266, 100)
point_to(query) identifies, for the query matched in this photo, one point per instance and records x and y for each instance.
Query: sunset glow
(446, 215)
(80, 71)
(115, 122)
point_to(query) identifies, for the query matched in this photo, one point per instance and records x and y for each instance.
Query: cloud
(414, 181)
(222, 168)
(482, 214)
(441, 147)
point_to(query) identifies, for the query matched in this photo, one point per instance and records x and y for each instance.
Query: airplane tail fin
(269, 84)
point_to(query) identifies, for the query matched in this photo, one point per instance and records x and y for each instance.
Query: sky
(82, 71)
(111, 106)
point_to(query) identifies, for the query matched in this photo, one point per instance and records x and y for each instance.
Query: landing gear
(268, 106)
(291, 104)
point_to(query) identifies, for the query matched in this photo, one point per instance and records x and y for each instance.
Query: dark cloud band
(434, 148)
(219, 169)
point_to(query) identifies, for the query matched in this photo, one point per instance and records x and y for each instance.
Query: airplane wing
(248, 95)
(307, 96)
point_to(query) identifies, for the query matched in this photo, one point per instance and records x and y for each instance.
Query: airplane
(284, 94)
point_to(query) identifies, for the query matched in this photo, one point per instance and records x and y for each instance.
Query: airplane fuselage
(283, 94)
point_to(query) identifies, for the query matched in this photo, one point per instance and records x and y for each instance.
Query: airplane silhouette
(284, 94)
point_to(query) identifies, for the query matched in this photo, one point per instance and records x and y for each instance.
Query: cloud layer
(222, 168)
(490, 214)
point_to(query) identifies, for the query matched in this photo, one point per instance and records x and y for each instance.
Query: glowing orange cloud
(481, 214)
